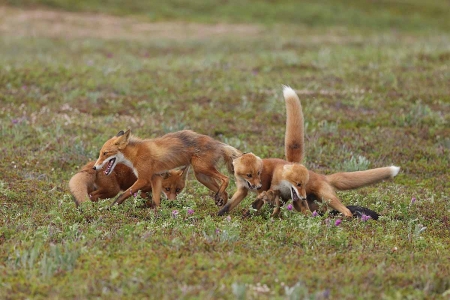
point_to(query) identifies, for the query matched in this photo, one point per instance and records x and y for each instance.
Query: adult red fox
(274, 178)
(89, 184)
(150, 157)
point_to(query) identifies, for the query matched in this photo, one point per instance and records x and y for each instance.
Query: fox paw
(220, 200)
(224, 210)
(267, 197)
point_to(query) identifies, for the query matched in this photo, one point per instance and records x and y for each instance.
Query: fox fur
(294, 140)
(284, 180)
(150, 157)
(89, 184)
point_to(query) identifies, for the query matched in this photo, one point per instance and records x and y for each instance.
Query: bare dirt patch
(58, 24)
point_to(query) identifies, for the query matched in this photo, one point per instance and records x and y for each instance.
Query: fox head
(174, 182)
(111, 152)
(295, 177)
(247, 169)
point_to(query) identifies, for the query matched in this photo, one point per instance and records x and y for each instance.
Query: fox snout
(298, 195)
(171, 196)
(302, 195)
(254, 186)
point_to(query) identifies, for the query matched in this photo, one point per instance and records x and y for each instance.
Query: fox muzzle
(253, 186)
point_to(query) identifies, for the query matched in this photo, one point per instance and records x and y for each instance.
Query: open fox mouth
(110, 165)
(294, 194)
(250, 187)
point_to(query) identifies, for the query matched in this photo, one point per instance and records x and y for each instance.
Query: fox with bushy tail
(276, 180)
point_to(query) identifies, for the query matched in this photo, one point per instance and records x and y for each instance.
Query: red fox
(149, 157)
(287, 180)
(291, 180)
(89, 184)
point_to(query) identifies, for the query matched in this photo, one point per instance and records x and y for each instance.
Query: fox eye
(104, 153)
(299, 184)
(249, 175)
(167, 189)
(178, 190)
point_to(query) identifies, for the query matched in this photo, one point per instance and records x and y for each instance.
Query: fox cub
(276, 180)
(89, 184)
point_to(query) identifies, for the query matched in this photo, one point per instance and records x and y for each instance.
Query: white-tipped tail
(288, 92)
(294, 139)
(394, 170)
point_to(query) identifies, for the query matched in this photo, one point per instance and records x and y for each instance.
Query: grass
(413, 15)
(372, 97)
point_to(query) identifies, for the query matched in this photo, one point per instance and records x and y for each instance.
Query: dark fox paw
(224, 210)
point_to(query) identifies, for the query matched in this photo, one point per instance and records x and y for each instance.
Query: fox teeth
(110, 164)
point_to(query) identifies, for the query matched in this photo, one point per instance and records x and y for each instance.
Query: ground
(374, 94)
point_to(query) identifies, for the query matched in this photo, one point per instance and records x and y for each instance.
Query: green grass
(411, 15)
(371, 97)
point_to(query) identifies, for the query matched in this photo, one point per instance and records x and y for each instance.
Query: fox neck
(124, 157)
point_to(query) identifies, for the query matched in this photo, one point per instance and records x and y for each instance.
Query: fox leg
(156, 185)
(221, 196)
(207, 181)
(327, 194)
(257, 204)
(102, 194)
(272, 197)
(146, 194)
(211, 184)
(276, 210)
(139, 184)
(238, 196)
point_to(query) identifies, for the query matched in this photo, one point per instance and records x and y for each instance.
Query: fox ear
(127, 134)
(184, 171)
(165, 175)
(123, 139)
(120, 133)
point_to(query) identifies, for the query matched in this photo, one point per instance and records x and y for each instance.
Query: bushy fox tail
(229, 154)
(294, 143)
(81, 183)
(352, 180)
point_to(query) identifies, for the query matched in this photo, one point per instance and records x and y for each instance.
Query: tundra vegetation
(373, 78)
